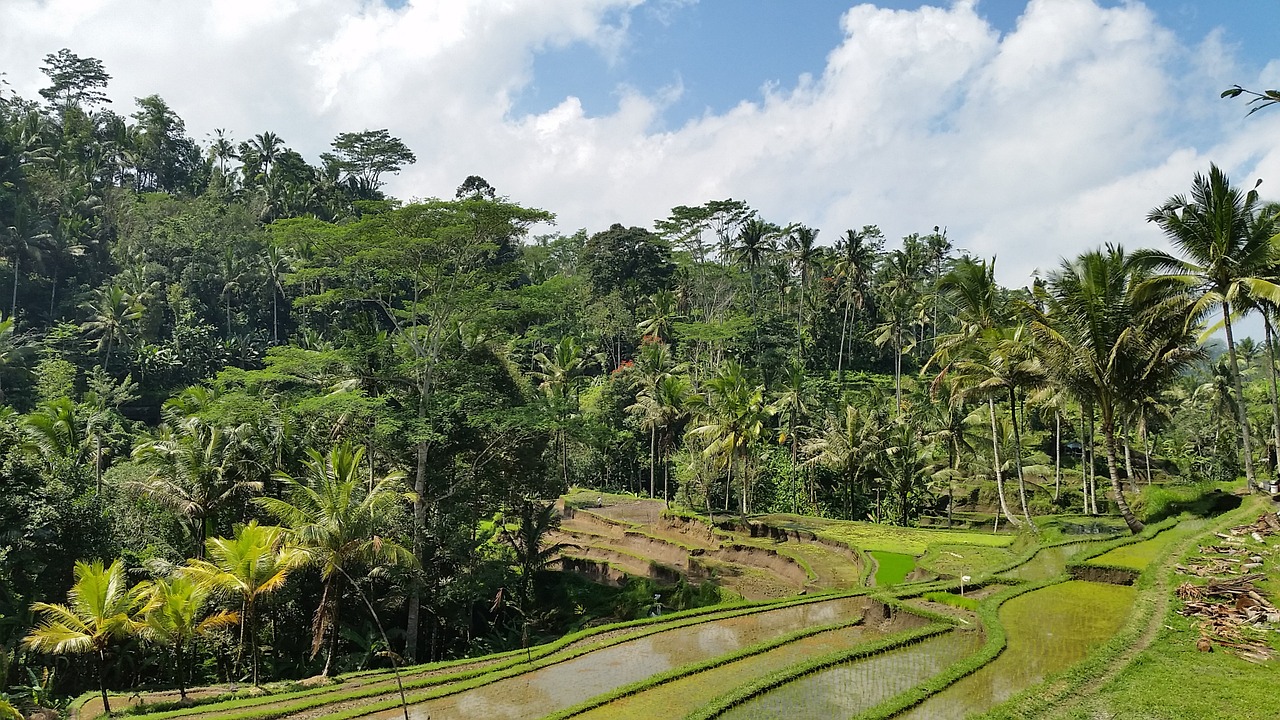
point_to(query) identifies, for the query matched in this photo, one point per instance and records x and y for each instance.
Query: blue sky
(723, 51)
(1030, 129)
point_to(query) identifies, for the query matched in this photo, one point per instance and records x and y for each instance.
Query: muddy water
(1049, 630)
(845, 690)
(680, 697)
(1049, 562)
(544, 691)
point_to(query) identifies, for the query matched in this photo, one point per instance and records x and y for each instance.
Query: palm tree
(1228, 253)
(196, 470)
(848, 443)
(174, 616)
(336, 520)
(857, 251)
(558, 374)
(114, 312)
(663, 311)
(276, 265)
(793, 400)
(247, 568)
(732, 416)
(801, 253)
(1001, 363)
(101, 609)
(1107, 338)
(55, 435)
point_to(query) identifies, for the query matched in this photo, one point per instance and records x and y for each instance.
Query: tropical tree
(731, 416)
(114, 313)
(336, 517)
(1107, 338)
(793, 401)
(848, 443)
(101, 610)
(196, 470)
(1226, 257)
(174, 615)
(247, 568)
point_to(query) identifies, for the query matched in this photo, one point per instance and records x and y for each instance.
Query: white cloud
(1054, 137)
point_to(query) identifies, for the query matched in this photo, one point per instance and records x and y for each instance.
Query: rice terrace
(930, 374)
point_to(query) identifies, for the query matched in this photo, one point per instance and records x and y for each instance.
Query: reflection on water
(547, 690)
(1049, 562)
(1049, 630)
(680, 697)
(845, 690)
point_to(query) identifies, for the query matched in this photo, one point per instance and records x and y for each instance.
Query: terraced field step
(553, 688)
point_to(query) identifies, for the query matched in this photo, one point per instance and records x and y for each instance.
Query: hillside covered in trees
(242, 376)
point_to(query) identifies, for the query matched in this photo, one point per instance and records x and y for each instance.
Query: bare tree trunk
(1057, 455)
(1128, 460)
(1109, 439)
(1275, 404)
(1242, 416)
(1017, 460)
(995, 453)
(653, 458)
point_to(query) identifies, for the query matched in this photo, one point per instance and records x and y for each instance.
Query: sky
(1029, 130)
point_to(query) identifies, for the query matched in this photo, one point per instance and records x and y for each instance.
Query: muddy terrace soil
(611, 537)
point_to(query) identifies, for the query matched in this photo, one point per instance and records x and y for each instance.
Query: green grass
(951, 599)
(892, 568)
(886, 538)
(957, 560)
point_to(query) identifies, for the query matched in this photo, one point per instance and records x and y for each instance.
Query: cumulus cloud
(1053, 137)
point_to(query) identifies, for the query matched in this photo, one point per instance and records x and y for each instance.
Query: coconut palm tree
(247, 568)
(1107, 338)
(857, 252)
(113, 315)
(731, 416)
(337, 518)
(1002, 363)
(196, 470)
(174, 615)
(558, 374)
(793, 400)
(101, 610)
(801, 254)
(848, 443)
(663, 311)
(1226, 253)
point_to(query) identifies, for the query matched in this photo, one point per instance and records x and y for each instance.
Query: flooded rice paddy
(848, 689)
(556, 687)
(1047, 563)
(1048, 630)
(680, 697)
(891, 567)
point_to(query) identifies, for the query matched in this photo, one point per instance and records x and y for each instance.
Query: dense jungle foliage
(244, 393)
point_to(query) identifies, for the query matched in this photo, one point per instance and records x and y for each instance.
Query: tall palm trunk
(840, 358)
(995, 456)
(102, 681)
(1084, 463)
(1017, 460)
(1275, 404)
(1242, 416)
(1057, 455)
(1109, 440)
(653, 458)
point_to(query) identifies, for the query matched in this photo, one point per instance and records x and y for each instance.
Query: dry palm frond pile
(1232, 613)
